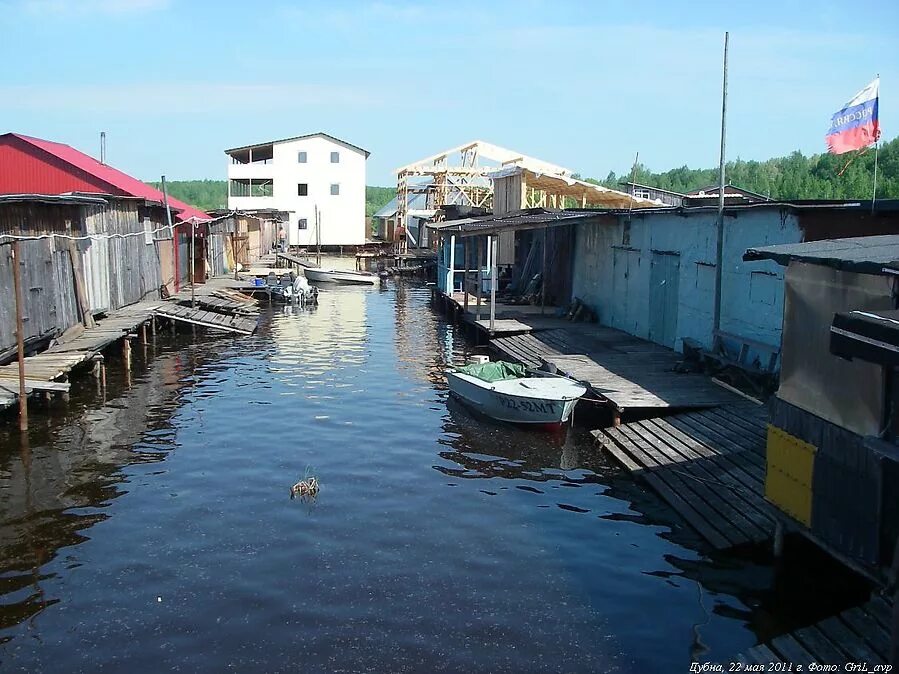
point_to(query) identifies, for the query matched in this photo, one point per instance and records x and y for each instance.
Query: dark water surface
(154, 531)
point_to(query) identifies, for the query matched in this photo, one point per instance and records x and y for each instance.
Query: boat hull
(501, 401)
(342, 277)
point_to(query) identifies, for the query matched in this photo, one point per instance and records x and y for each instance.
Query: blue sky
(581, 84)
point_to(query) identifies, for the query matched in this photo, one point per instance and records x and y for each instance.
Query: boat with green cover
(510, 392)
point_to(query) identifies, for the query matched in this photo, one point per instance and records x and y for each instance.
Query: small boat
(512, 393)
(341, 276)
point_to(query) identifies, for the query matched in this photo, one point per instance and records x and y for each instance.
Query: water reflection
(58, 479)
(438, 541)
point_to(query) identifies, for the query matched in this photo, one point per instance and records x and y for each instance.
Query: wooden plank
(41, 385)
(791, 650)
(881, 611)
(824, 650)
(870, 630)
(672, 488)
(750, 475)
(704, 463)
(763, 655)
(702, 482)
(848, 640)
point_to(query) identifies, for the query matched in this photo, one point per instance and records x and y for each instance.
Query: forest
(210, 194)
(795, 176)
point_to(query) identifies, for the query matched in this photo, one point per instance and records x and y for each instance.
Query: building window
(301, 157)
(335, 157)
(301, 223)
(642, 194)
(303, 190)
(335, 189)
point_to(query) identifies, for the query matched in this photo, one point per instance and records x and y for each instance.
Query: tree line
(795, 176)
(208, 195)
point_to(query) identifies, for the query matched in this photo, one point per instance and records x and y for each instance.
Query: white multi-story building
(301, 176)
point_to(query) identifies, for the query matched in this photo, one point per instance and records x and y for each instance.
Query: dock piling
(778, 539)
(126, 351)
(20, 337)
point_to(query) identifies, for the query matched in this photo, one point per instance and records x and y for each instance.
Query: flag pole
(874, 191)
(876, 147)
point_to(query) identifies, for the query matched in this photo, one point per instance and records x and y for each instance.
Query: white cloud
(59, 7)
(165, 98)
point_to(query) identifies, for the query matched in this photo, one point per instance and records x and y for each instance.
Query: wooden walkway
(57, 361)
(293, 259)
(625, 372)
(502, 326)
(860, 634)
(709, 465)
(208, 319)
(221, 305)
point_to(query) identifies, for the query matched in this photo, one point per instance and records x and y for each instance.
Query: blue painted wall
(612, 263)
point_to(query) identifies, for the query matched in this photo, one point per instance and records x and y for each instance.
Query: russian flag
(856, 125)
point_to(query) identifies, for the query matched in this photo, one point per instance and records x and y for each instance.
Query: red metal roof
(119, 181)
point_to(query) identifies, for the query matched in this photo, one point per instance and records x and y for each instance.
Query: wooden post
(193, 263)
(143, 334)
(465, 276)
(126, 352)
(543, 276)
(451, 272)
(480, 246)
(153, 325)
(20, 335)
(492, 283)
(80, 291)
(778, 539)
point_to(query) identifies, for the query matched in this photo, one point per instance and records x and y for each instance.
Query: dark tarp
(871, 336)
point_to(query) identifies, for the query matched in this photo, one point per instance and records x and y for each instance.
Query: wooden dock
(294, 260)
(624, 372)
(858, 635)
(208, 319)
(42, 370)
(503, 326)
(222, 306)
(709, 465)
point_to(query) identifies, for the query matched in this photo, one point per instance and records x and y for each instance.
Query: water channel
(150, 527)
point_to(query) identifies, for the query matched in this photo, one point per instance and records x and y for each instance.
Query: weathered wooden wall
(122, 270)
(48, 287)
(217, 258)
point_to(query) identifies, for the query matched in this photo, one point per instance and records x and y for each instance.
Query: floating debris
(306, 488)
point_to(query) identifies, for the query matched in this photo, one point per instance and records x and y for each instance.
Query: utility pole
(719, 234)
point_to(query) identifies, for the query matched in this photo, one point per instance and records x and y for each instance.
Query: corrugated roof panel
(111, 176)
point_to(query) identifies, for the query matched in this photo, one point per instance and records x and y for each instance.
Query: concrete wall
(613, 259)
(342, 215)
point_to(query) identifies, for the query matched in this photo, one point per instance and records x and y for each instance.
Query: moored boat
(341, 276)
(511, 393)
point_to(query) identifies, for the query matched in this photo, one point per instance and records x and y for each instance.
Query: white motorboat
(341, 276)
(511, 393)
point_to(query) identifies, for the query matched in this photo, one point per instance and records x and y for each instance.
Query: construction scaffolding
(481, 175)
(459, 176)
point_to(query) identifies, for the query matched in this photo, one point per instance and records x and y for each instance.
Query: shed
(48, 265)
(833, 445)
